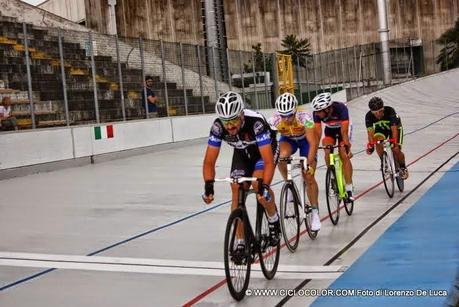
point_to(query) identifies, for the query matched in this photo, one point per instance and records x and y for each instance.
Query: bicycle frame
(335, 161)
(290, 168)
(387, 147)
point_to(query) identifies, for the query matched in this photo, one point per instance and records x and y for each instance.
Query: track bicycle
(257, 244)
(390, 168)
(294, 212)
(335, 186)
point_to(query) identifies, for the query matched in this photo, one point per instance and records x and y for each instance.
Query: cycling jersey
(389, 118)
(254, 132)
(339, 114)
(382, 127)
(294, 130)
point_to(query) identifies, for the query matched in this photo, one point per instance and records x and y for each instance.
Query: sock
(273, 219)
(349, 187)
(402, 165)
(240, 241)
(314, 207)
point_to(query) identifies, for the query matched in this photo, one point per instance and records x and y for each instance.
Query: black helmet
(375, 104)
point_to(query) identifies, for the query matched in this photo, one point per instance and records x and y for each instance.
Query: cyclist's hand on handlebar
(310, 170)
(263, 193)
(208, 195)
(347, 146)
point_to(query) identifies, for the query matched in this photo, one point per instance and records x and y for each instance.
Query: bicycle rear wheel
(400, 181)
(269, 255)
(290, 216)
(331, 190)
(387, 174)
(237, 267)
(307, 218)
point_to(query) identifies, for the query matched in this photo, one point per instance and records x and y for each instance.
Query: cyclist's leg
(347, 165)
(312, 189)
(399, 155)
(329, 139)
(287, 147)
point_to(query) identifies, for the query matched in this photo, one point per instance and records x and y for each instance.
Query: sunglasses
(377, 111)
(231, 122)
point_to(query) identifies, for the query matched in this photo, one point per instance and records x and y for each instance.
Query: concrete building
(73, 10)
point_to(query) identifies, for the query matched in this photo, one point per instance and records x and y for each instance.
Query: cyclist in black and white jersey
(383, 122)
(255, 154)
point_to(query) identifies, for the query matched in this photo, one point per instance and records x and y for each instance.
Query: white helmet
(286, 104)
(321, 101)
(229, 105)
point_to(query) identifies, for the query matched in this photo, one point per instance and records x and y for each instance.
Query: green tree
(449, 54)
(258, 59)
(297, 48)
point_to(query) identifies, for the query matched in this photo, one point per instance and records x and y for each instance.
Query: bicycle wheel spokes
(387, 174)
(400, 181)
(307, 221)
(237, 262)
(290, 217)
(332, 192)
(269, 255)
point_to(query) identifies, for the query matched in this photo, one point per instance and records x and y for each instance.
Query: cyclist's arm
(394, 129)
(345, 132)
(266, 152)
(313, 143)
(208, 168)
(318, 128)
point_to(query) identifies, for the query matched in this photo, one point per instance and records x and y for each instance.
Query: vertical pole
(94, 83)
(314, 74)
(356, 73)
(29, 75)
(267, 99)
(384, 38)
(142, 64)
(120, 77)
(64, 83)
(163, 64)
(413, 73)
(336, 67)
(275, 78)
(229, 70)
(255, 82)
(198, 54)
(343, 75)
(298, 78)
(214, 70)
(397, 59)
(242, 74)
(307, 79)
(349, 72)
(183, 78)
(329, 70)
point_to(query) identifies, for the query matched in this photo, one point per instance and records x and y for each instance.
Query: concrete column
(384, 38)
(112, 20)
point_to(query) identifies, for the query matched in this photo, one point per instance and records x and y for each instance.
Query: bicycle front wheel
(308, 218)
(269, 255)
(237, 264)
(332, 193)
(400, 181)
(387, 174)
(290, 216)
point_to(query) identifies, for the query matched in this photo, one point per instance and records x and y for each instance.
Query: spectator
(152, 100)
(7, 121)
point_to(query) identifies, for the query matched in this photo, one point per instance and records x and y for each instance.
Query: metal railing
(63, 77)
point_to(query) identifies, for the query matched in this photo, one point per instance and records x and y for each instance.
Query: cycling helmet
(286, 104)
(321, 101)
(375, 104)
(229, 105)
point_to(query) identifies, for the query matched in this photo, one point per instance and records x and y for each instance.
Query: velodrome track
(134, 232)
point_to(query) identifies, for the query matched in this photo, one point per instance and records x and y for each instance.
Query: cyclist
(383, 122)
(335, 117)
(297, 131)
(255, 155)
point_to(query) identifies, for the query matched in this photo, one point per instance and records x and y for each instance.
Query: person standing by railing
(7, 120)
(152, 99)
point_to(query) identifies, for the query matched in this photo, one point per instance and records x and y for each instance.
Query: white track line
(157, 266)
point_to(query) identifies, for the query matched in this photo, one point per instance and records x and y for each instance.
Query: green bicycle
(335, 186)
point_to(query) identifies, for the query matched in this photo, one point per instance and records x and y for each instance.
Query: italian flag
(103, 132)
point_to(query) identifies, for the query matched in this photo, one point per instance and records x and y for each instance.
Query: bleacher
(48, 97)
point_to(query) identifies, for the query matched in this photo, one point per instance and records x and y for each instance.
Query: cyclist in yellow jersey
(297, 131)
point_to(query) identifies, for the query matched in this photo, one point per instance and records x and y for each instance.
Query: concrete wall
(73, 10)
(328, 24)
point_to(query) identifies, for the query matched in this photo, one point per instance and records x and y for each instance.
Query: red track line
(223, 281)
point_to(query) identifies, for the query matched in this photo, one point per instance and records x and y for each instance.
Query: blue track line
(174, 222)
